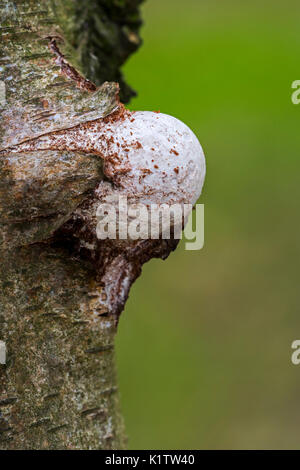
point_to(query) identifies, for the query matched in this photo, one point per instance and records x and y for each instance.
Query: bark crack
(68, 70)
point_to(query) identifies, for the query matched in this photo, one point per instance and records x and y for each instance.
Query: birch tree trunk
(58, 386)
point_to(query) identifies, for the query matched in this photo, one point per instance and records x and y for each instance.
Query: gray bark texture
(58, 387)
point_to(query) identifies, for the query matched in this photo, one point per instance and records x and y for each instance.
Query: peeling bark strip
(59, 362)
(68, 70)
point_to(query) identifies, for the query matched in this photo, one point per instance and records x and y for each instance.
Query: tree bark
(58, 387)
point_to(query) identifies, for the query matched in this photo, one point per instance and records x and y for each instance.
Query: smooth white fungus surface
(162, 159)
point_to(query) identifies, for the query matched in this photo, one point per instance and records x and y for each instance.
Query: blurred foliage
(204, 345)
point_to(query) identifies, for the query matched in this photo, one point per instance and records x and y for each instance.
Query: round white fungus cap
(156, 158)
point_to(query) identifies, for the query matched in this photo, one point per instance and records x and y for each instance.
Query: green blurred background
(204, 345)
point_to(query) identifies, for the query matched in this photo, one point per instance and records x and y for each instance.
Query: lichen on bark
(58, 388)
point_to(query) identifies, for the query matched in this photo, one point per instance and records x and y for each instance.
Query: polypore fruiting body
(150, 158)
(155, 157)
